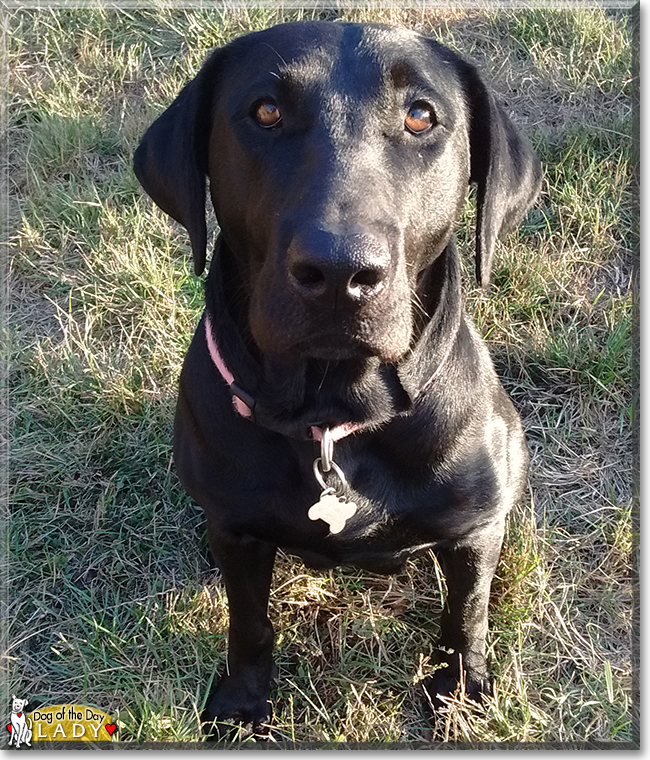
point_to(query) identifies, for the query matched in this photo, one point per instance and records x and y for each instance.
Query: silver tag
(332, 509)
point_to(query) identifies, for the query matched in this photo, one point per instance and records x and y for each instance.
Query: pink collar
(245, 404)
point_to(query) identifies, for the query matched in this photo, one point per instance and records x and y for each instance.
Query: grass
(109, 598)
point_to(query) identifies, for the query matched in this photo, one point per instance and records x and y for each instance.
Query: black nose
(323, 265)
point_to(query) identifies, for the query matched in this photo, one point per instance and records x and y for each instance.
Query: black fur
(335, 297)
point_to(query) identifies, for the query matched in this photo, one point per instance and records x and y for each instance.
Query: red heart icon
(9, 727)
(110, 727)
(19, 714)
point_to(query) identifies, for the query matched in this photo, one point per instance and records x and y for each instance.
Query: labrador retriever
(335, 400)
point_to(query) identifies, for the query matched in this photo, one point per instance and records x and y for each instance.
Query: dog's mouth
(338, 346)
(333, 347)
(299, 336)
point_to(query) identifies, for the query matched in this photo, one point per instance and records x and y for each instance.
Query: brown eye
(419, 118)
(267, 114)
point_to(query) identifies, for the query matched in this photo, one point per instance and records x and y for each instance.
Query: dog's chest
(376, 520)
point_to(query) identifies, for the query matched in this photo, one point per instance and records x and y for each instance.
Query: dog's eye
(420, 118)
(267, 114)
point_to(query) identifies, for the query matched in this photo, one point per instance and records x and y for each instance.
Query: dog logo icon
(20, 727)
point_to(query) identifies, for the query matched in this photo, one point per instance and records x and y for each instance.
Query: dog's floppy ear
(507, 173)
(171, 160)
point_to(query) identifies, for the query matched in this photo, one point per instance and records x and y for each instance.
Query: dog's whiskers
(278, 55)
(417, 302)
(327, 366)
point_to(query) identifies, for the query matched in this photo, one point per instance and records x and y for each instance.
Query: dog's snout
(322, 264)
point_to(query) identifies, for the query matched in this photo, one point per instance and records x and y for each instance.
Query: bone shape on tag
(333, 510)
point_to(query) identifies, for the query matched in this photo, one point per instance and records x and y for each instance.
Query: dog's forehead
(354, 57)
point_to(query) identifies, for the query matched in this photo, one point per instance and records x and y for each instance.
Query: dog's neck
(293, 395)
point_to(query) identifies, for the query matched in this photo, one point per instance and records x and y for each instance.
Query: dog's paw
(446, 681)
(232, 705)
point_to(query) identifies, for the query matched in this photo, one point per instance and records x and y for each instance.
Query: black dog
(338, 158)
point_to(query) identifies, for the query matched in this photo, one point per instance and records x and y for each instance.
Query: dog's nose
(323, 264)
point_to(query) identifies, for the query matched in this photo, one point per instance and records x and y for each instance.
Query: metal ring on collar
(337, 470)
(326, 449)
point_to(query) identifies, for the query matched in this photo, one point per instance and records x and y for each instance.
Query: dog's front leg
(469, 568)
(242, 694)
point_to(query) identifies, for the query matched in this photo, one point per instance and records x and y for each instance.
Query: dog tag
(332, 509)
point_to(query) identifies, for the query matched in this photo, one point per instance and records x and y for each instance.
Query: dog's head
(338, 158)
(18, 705)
